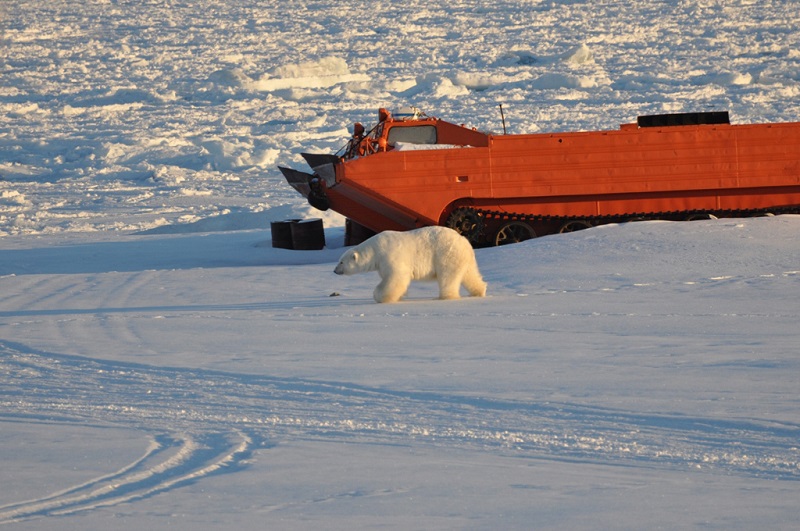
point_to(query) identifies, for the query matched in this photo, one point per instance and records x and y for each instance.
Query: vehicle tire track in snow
(170, 461)
(206, 420)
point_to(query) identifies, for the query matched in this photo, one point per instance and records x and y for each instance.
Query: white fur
(430, 253)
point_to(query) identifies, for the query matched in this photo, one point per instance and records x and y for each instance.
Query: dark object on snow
(298, 234)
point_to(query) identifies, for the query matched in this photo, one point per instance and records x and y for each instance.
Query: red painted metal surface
(547, 180)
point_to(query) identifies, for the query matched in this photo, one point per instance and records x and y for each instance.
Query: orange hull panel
(626, 172)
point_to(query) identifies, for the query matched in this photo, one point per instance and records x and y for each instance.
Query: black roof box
(686, 118)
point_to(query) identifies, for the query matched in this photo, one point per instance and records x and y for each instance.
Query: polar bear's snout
(339, 269)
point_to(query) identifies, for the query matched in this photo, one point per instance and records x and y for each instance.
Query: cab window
(420, 134)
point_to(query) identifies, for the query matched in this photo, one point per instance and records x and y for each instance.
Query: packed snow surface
(163, 367)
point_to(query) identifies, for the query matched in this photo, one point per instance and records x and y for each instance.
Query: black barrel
(282, 233)
(308, 235)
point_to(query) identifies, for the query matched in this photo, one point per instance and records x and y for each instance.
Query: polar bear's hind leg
(474, 282)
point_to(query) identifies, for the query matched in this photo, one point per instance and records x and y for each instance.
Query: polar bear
(429, 253)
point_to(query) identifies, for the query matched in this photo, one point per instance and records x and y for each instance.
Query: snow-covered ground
(163, 367)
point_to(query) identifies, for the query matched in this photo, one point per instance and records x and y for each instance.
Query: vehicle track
(169, 461)
(202, 421)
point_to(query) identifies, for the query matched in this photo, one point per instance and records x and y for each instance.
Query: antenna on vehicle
(503, 118)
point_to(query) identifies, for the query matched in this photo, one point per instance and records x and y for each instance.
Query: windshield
(420, 134)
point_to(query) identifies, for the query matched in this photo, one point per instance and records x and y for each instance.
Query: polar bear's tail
(474, 282)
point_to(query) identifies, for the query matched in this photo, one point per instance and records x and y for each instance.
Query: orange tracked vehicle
(411, 170)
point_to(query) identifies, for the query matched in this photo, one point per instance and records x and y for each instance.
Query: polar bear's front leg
(392, 288)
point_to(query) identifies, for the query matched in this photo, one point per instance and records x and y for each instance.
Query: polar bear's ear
(355, 255)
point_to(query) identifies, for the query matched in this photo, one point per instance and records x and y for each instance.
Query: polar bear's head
(354, 261)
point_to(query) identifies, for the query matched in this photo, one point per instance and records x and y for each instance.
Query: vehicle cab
(410, 129)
